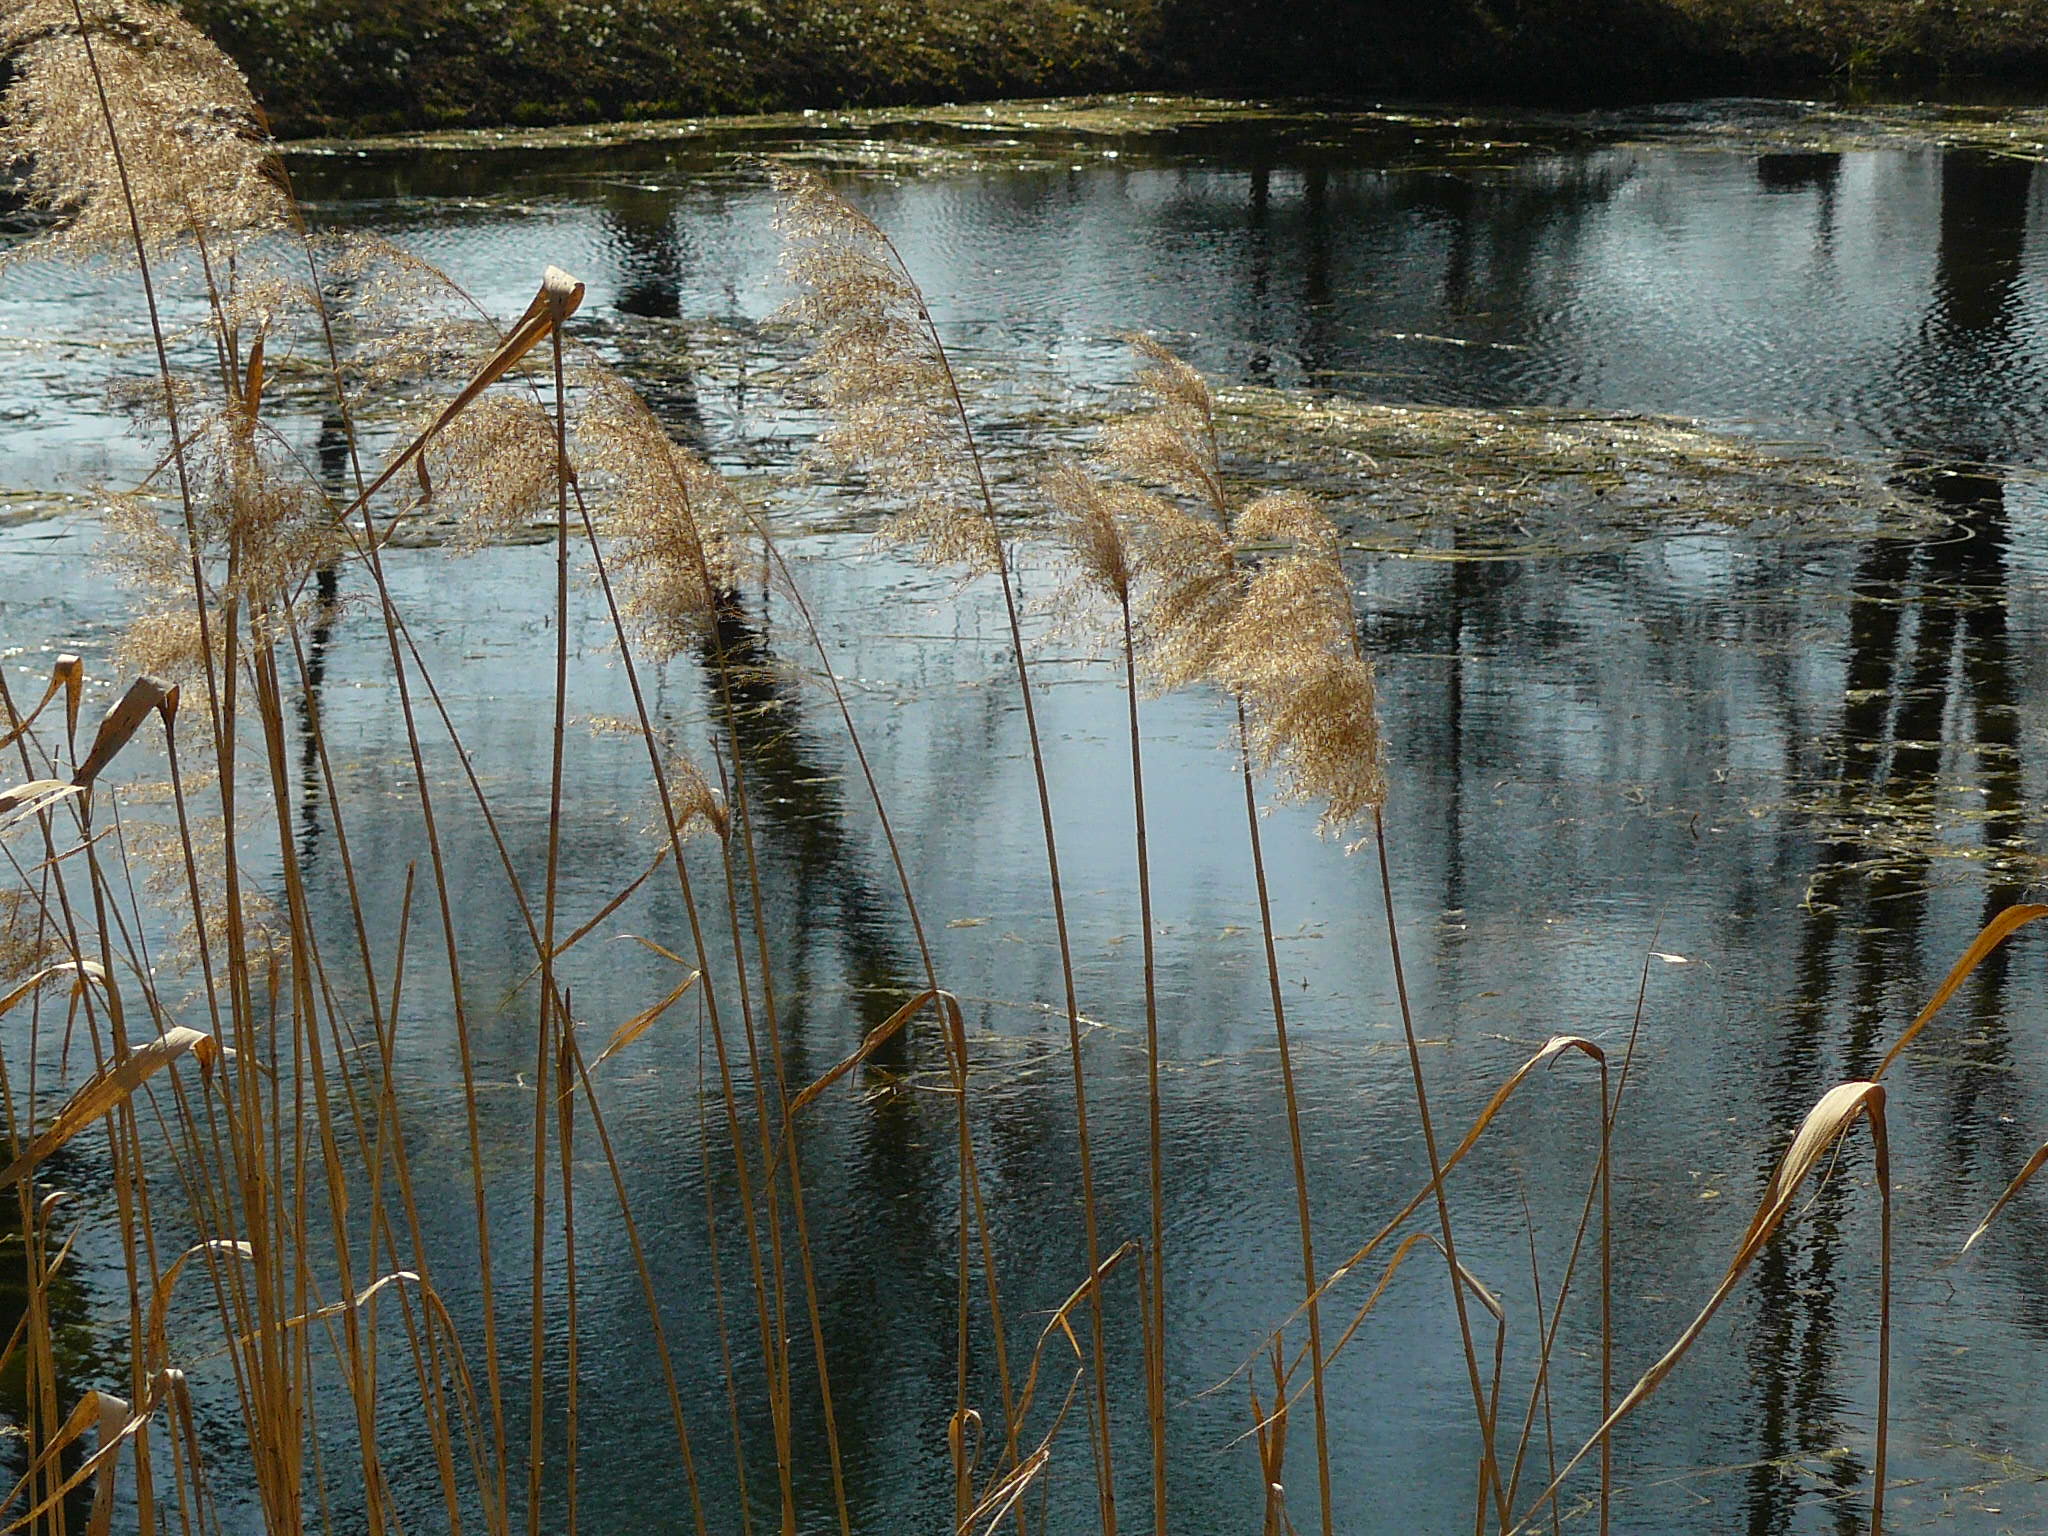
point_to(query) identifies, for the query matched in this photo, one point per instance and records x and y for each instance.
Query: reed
(241, 1042)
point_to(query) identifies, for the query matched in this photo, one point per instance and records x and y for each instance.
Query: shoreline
(332, 69)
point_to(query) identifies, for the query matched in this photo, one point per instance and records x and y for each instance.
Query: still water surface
(1794, 772)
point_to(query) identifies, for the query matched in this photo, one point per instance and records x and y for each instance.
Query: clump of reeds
(252, 1120)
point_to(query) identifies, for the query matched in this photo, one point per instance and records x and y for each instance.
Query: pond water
(1789, 768)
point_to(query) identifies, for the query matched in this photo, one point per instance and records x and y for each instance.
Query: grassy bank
(333, 66)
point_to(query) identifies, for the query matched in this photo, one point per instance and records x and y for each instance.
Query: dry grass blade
(117, 1425)
(68, 673)
(2020, 1181)
(660, 949)
(1838, 1110)
(642, 1021)
(144, 695)
(252, 383)
(1469, 1281)
(590, 927)
(111, 1086)
(1553, 1048)
(96, 1410)
(559, 297)
(353, 1303)
(871, 1042)
(1059, 1321)
(25, 800)
(82, 970)
(1001, 1499)
(111, 1413)
(1995, 933)
(160, 1300)
(607, 909)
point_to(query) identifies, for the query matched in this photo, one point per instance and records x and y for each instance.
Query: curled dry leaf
(123, 720)
(1825, 1124)
(68, 673)
(110, 1086)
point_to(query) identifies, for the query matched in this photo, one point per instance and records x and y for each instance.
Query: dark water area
(1785, 777)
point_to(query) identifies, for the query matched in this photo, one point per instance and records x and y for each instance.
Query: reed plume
(673, 527)
(1291, 653)
(176, 123)
(492, 469)
(893, 405)
(899, 416)
(1250, 598)
(255, 529)
(27, 940)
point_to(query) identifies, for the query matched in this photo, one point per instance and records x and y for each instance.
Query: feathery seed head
(880, 374)
(1290, 652)
(28, 941)
(1091, 515)
(676, 530)
(1256, 602)
(694, 801)
(191, 143)
(1173, 444)
(494, 466)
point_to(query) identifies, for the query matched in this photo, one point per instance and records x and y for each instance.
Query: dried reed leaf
(997, 1503)
(68, 673)
(160, 1300)
(95, 1410)
(1825, 1124)
(353, 1303)
(252, 384)
(115, 1431)
(1058, 1322)
(1995, 933)
(871, 1042)
(2020, 1181)
(1554, 1047)
(660, 949)
(25, 800)
(111, 1414)
(123, 720)
(83, 970)
(640, 1023)
(109, 1087)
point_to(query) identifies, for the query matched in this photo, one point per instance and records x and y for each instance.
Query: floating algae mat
(1102, 129)
(1040, 134)
(1527, 482)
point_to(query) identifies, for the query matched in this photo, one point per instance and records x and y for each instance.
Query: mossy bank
(351, 66)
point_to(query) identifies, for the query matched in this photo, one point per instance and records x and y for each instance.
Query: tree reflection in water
(1929, 697)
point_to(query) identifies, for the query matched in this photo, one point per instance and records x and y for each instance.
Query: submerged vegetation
(182, 1003)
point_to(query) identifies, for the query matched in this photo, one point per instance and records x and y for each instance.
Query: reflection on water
(1802, 770)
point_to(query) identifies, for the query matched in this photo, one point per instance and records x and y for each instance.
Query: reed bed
(228, 1048)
